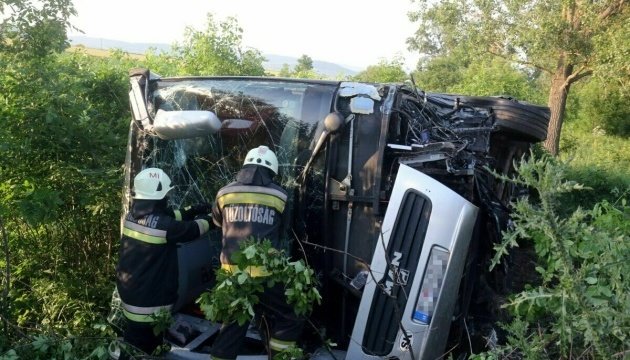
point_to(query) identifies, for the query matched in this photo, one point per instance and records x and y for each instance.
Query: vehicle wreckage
(392, 198)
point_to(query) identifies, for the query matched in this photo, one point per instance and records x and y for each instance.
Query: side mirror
(171, 125)
(332, 122)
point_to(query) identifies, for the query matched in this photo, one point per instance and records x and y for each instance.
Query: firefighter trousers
(141, 336)
(274, 317)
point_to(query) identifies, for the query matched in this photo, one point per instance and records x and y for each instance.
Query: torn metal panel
(349, 89)
(362, 105)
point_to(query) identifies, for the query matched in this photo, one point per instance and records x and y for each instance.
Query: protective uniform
(147, 271)
(252, 207)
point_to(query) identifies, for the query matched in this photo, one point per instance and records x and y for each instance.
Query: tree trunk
(558, 94)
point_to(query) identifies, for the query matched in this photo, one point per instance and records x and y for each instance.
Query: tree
(439, 73)
(612, 51)
(34, 30)
(215, 51)
(304, 64)
(304, 69)
(384, 72)
(495, 76)
(558, 38)
(285, 71)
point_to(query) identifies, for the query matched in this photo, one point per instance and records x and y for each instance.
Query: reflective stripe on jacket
(147, 271)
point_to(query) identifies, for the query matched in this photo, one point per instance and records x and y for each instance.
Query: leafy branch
(237, 292)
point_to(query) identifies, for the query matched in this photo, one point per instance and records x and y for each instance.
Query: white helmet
(262, 156)
(151, 184)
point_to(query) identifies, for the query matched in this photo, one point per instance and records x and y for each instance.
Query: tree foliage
(560, 38)
(440, 73)
(302, 70)
(63, 117)
(285, 71)
(304, 64)
(602, 106)
(34, 29)
(216, 50)
(496, 76)
(612, 51)
(385, 72)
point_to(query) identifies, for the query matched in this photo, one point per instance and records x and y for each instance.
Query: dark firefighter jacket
(147, 272)
(251, 207)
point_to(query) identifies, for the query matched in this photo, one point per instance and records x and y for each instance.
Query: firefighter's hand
(201, 208)
(206, 217)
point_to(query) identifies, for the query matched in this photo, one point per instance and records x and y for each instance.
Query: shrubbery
(581, 309)
(59, 198)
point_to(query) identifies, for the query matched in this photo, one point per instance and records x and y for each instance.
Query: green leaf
(242, 277)
(9, 355)
(66, 346)
(298, 266)
(250, 252)
(605, 290)
(99, 353)
(237, 257)
(591, 280)
(599, 301)
(40, 343)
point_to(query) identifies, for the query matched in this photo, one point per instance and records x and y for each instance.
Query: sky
(352, 33)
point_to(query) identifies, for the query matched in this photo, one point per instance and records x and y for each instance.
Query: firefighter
(252, 207)
(147, 271)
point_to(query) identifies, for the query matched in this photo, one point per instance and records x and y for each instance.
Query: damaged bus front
(390, 196)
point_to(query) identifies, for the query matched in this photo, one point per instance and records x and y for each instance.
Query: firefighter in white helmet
(252, 207)
(147, 271)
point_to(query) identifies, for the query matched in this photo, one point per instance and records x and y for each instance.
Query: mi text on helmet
(262, 156)
(151, 184)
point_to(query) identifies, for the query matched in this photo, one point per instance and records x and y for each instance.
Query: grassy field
(100, 52)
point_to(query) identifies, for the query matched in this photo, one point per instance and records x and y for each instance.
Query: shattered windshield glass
(283, 115)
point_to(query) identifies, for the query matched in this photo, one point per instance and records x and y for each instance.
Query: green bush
(582, 307)
(63, 137)
(601, 105)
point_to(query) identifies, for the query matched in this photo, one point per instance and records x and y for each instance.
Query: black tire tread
(520, 120)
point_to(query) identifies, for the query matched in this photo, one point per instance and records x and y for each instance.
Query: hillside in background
(274, 62)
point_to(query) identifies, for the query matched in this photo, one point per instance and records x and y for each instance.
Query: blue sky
(353, 33)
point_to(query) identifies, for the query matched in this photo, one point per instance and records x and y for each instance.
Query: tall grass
(596, 160)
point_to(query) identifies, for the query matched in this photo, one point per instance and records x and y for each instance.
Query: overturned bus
(391, 197)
